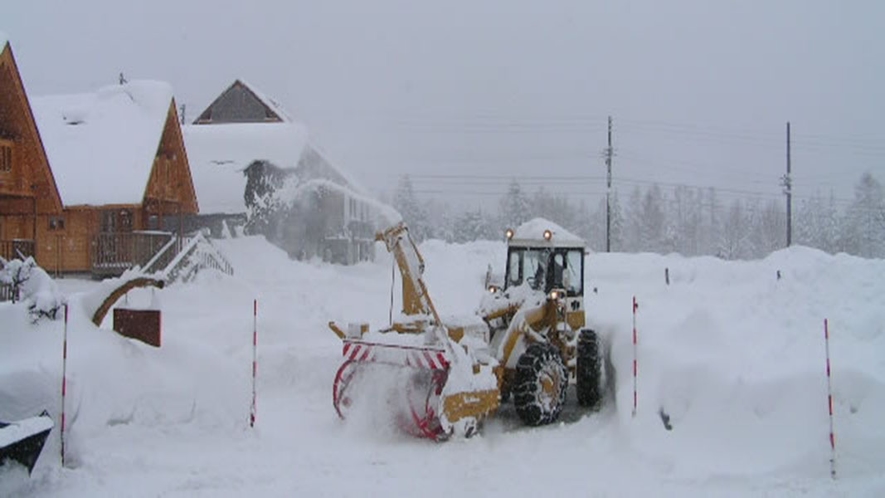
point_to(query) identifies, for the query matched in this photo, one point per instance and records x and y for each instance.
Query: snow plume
(34, 287)
(311, 216)
(293, 191)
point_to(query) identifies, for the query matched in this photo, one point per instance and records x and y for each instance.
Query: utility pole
(787, 184)
(609, 152)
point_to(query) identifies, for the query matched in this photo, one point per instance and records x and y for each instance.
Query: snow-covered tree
(768, 226)
(734, 234)
(653, 222)
(816, 223)
(515, 208)
(633, 241)
(473, 225)
(863, 228)
(616, 228)
(263, 206)
(413, 213)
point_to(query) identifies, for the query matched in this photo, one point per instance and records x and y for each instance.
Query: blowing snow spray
(830, 402)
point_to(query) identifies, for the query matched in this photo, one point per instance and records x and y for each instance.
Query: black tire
(540, 385)
(588, 374)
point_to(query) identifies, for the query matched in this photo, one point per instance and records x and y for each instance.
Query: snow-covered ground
(734, 355)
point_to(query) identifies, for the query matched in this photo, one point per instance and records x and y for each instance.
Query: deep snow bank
(731, 354)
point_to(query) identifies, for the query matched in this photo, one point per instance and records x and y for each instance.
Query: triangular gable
(17, 125)
(242, 103)
(102, 145)
(170, 177)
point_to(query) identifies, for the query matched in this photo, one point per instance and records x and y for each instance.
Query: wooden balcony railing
(114, 252)
(16, 249)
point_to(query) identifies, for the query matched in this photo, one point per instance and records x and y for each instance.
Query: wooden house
(98, 182)
(243, 135)
(30, 206)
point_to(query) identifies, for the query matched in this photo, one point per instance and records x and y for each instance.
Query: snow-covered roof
(101, 146)
(219, 153)
(532, 233)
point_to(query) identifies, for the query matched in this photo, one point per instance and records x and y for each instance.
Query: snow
(533, 231)
(109, 137)
(20, 429)
(732, 354)
(218, 154)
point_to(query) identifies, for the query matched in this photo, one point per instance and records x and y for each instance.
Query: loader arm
(416, 300)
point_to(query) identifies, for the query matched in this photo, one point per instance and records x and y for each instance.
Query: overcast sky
(466, 94)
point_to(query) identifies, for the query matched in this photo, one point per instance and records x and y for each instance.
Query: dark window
(125, 220)
(56, 223)
(5, 158)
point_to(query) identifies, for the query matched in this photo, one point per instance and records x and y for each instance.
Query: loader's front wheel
(589, 369)
(540, 385)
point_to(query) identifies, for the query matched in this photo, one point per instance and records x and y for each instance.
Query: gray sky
(466, 94)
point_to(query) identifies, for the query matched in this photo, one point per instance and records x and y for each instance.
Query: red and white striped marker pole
(830, 402)
(635, 362)
(253, 410)
(64, 384)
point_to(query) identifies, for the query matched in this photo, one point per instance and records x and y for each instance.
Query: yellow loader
(526, 342)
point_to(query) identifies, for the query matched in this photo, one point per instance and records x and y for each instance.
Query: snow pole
(254, 359)
(830, 402)
(635, 362)
(64, 383)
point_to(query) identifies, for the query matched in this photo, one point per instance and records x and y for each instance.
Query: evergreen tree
(413, 213)
(616, 229)
(653, 222)
(515, 208)
(863, 229)
(472, 225)
(733, 237)
(633, 241)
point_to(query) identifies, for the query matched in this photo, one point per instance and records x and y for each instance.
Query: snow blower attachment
(527, 342)
(446, 389)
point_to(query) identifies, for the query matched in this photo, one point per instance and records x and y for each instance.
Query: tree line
(687, 220)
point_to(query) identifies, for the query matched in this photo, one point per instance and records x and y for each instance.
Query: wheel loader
(526, 343)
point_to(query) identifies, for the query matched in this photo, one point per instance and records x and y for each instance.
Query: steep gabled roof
(101, 146)
(22, 107)
(238, 96)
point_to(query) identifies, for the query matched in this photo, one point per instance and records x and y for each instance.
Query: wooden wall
(29, 186)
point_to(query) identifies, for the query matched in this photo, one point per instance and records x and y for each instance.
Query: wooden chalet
(95, 182)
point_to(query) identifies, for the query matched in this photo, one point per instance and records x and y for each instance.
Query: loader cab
(546, 268)
(545, 257)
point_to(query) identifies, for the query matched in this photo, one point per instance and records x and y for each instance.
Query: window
(5, 157)
(56, 223)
